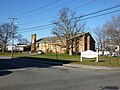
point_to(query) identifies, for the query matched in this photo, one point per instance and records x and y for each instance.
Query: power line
(37, 20)
(37, 26)
(49, 9)
(85, 4)
(49, 4)
(46, 11)
(81, 19)
(99, 11)
(55, 15)
(101, 15)
(79, 16)
(35, 29)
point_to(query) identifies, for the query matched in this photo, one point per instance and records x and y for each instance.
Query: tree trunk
(70, 50)
(3, 48)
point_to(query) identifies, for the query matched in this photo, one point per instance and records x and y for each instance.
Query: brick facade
(83, 41)
(33, 43)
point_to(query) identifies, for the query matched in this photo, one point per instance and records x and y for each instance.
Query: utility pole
(12, 36)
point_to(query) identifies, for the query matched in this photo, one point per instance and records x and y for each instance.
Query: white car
(40, 52)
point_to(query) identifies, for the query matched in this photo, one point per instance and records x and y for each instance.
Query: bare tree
(6, 35)
(22, 40)
(109, 34)
(100, 36)
(66, 27)
(113, 30)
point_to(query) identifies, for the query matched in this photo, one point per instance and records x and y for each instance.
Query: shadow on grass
(52, 62)
(26, 62)
(3, 73)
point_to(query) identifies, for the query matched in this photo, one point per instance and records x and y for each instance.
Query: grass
(75, 59)
(8, 54)
(60, 57)
(4, 54)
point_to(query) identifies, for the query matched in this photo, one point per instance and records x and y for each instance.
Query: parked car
(114, 54)
(40, 52)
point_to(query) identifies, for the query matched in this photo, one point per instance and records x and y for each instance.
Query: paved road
(34, 75)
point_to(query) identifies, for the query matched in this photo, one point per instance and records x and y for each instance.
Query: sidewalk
(81, 66)
(92, 67)
(5, 57)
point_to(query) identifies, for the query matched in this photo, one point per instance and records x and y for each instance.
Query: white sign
(89, 54)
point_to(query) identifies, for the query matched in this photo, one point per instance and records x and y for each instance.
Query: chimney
(33, 43)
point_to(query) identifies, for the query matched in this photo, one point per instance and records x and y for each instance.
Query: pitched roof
(48, 39)
(55, 38)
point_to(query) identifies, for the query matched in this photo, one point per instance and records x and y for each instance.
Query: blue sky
(18, 9)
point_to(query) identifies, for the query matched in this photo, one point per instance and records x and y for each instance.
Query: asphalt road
(34, 75)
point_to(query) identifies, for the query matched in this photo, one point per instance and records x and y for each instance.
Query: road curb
(83, 66)
(92, 67)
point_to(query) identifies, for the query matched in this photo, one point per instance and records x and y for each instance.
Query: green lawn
(75, 59)
(8, 54)
(4, 54)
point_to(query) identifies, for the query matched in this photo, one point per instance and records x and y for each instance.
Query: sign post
(117, 51)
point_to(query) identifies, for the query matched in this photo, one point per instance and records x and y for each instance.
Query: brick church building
(83, 41)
